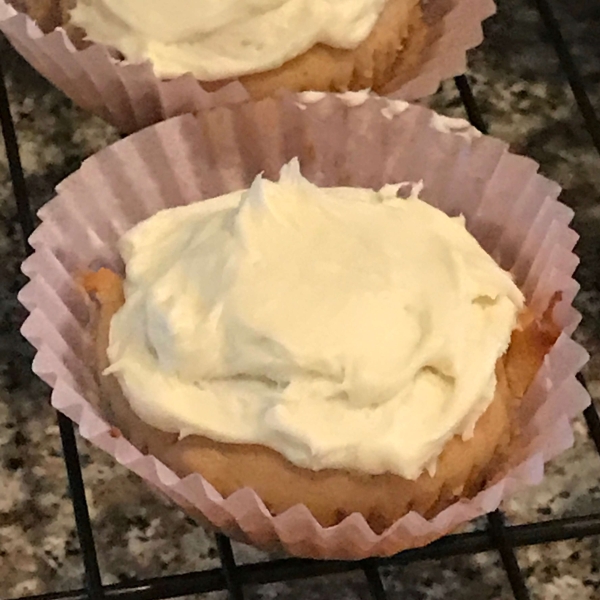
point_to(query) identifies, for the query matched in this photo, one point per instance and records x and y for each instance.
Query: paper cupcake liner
(131, 97)
(509, 207)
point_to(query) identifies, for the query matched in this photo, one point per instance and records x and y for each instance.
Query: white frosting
(216, 39)
(456, 126)
(390, 108)
(394, 108)
(349, 98)
(342, 327)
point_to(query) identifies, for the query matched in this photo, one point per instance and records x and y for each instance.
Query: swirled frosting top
(342, 327)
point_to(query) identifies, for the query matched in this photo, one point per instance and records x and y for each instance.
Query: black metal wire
(93, 579)
(14, 163)
(570, 68)
(593, 422)
(591, 418)
(298, 568)
(371, 571)
(83, 524)
(468, 99)
(229, 568)
(507, 555)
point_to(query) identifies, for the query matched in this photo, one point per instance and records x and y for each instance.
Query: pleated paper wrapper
(509, 207)
(131, 96)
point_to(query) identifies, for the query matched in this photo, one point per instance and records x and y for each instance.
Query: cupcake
(341, 348)
(270, 45)
(389, 46)
(318, 356)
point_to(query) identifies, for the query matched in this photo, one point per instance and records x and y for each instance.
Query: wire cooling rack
(232, 577)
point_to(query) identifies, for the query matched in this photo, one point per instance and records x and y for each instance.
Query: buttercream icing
(342, 327)
(390, 107)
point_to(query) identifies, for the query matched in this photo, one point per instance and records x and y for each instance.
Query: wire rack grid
(232, 577)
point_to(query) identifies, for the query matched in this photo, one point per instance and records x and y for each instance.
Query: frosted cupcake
(267, 45)
(389, 46)
(315, 361)
(339, 348)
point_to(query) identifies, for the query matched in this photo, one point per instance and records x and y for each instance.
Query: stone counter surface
(526, 99)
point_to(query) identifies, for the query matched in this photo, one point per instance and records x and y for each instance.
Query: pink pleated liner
(131, 96)
(509, 207)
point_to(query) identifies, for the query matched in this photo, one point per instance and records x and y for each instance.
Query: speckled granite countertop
(528, 103)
